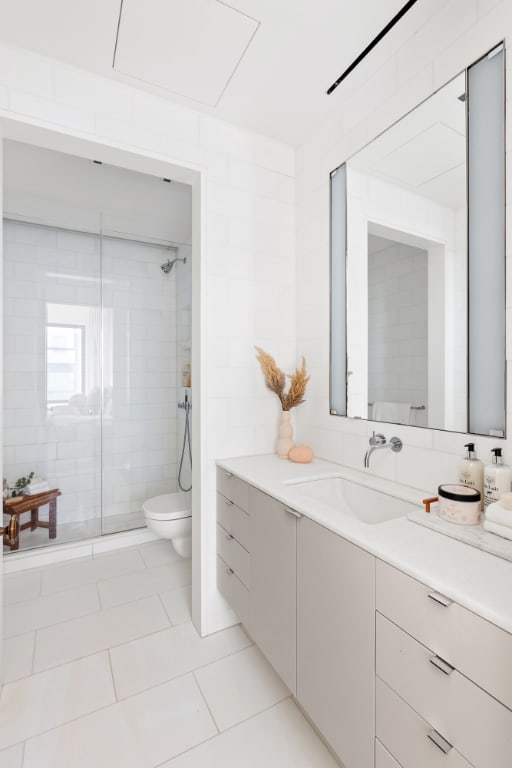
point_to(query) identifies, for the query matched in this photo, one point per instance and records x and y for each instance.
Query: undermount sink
(366, 504)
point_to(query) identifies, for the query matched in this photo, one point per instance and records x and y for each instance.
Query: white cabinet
(474, 646)
(391, 673)
(233, 559)
(336, 641)
(407, 736)
(438, 686)
(272, 594)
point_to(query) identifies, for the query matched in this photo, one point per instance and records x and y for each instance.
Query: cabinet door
(272, 596)
(336, 641)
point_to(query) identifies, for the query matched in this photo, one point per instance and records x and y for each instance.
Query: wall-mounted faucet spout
(378, 441)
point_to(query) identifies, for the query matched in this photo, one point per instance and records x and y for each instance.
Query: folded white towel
(500, 530)
(397, 413)
(496, 514)
(32, 489)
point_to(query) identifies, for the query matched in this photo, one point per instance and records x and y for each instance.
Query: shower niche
(97, 337)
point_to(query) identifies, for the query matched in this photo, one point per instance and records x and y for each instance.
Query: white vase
(285, 440)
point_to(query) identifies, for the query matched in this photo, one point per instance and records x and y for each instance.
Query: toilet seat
(180, 515)
(168, 506)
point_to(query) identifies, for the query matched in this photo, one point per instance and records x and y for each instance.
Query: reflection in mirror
(406, 268)
(423, 259)
(397, 300)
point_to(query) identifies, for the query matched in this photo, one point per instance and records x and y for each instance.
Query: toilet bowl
(169, 516)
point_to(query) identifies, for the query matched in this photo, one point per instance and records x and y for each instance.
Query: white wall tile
(26, 71)
(45, 109)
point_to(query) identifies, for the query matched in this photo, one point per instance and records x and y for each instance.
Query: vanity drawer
(474, 722)
(233, 554)
(233, 488)
(233, 519)
(474, 646)
(382, 757)
(406, 735)
(233, 590)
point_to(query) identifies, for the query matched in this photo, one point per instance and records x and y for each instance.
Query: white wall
(373, 98)
(247, 270)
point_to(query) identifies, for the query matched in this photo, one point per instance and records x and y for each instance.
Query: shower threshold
(78, 531)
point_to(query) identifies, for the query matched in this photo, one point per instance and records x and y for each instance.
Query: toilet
(169, 516)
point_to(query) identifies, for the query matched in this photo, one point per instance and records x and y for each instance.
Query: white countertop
(476, 580)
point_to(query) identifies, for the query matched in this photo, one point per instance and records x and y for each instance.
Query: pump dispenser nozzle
(471, 470)
(497, 477)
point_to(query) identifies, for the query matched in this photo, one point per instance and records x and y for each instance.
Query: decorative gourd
(301, 454)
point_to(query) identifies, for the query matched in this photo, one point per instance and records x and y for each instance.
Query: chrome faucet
(378, 441)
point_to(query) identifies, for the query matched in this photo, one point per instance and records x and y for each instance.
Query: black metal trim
(389, 26)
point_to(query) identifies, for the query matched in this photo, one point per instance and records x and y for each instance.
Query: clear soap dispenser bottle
(471, 470)
(497, 478)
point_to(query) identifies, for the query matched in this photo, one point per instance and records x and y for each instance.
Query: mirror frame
(485, 224)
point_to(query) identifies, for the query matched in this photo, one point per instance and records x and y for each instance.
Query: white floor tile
(21, 586)
(158, 553)
(17, 655)
(155, 658)
(240, 686)
(90, 634)
(90, 570)
(141, 732)
(50, 609)
(178, 604)
(278, 738)
(151, 581)
(45, 701)
(12, 757)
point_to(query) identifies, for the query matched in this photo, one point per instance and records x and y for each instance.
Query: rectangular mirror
(409, 289)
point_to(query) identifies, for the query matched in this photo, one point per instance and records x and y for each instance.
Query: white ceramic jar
(459, 504)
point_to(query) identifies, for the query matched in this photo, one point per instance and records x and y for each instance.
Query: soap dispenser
(471, 470)
(497, 478)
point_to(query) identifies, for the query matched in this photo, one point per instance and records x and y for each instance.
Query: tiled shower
(96, 349)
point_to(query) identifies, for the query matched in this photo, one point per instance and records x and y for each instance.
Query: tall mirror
(422, 321)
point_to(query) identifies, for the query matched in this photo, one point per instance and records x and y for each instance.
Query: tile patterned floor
(103, 668)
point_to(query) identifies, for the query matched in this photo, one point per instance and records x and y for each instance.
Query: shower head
(169, 264)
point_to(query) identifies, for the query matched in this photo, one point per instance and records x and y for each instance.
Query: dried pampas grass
(275, 380)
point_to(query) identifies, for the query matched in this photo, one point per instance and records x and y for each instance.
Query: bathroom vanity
(395, 640)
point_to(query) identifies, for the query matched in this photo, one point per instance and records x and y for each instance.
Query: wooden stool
(20, 504)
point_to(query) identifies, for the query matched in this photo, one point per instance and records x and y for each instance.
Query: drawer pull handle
(228, 474)
(437, 597)
(441, 664)
(229, 571)
(292, 512)
(229, 503)
(439, 741)
(228, 536)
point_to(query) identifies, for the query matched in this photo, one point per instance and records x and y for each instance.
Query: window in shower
(64, 362)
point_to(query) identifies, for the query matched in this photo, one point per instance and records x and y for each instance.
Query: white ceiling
(262, 64)
(425, 152)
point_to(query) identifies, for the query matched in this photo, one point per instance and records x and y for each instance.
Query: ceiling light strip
(389, 26)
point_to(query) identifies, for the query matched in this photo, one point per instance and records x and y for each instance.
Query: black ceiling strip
(117, 34)
(372, 45)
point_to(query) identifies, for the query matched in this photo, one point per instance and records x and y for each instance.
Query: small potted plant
(21, 485)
